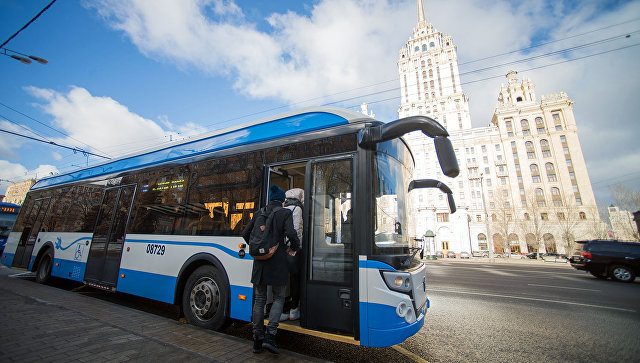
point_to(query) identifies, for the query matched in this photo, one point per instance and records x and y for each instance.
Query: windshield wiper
(406, 261)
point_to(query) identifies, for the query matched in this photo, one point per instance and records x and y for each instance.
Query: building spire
(420, 12)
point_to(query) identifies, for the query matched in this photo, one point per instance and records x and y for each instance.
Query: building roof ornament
(421, 18)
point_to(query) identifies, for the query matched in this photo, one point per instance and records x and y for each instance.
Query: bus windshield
(393, 170)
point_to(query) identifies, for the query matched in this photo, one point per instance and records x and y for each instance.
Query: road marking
(536, 299)
(564, 287)
(497, 272)
(412, 356)
(515, 270)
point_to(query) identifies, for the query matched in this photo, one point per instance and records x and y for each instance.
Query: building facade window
(551, 172)
(546, 151)
(540, 198)
(531, 152)
(535, 173)
(525, 127)
(555, 195)
(557, 122)
(443, 217)
(540, 125)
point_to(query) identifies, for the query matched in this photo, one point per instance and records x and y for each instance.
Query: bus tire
(205, 298)
(43, 273)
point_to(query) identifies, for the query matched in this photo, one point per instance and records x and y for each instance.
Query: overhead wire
(50, 127)
(54, 144)
(396, 79)
(27, 24)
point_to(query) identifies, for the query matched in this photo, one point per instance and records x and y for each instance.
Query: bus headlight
(398, 281)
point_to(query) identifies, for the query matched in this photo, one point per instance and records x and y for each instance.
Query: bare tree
(569, 221)
(596, 228)
(532, 221)
(502, 218)
(628, 201)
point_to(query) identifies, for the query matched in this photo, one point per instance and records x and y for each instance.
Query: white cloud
(101, 122)
(9, 142)
(13, 173)
(347, 44)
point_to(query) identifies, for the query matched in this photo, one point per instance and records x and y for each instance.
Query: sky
(125, 75)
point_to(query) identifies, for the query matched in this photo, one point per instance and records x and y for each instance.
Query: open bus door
(103, 262)
(30, 232)
(330, 297)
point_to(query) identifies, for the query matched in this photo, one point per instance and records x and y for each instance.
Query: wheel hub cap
(204, 298)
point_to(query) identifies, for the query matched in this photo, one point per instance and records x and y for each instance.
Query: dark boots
(257, 345)
(270, 344)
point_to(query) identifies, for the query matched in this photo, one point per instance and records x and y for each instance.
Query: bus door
(30, 232)
(103, 262)
(330, 298)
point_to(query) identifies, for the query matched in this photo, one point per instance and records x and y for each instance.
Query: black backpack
(262, 243)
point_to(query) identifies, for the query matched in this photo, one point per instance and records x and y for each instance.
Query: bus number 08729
(155, 249)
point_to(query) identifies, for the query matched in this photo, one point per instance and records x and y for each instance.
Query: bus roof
(285, 124)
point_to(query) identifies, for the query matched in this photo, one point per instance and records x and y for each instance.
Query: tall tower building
(430, 79)
(526, 168)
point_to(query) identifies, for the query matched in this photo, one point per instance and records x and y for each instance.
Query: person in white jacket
(295, 201)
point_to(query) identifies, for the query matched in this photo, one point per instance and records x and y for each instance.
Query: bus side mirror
(432, 183)
(446, 157)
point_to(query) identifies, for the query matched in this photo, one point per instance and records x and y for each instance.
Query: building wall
(495, 161)
(18, 191)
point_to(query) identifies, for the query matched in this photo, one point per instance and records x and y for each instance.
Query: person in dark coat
(271, 272)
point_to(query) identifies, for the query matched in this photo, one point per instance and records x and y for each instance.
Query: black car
(615, 259)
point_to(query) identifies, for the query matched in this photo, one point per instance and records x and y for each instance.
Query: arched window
(540, 125)
(546, 151)
(424, 47)
(525, 127)
(429, 61)
(531, 152)
(540, 198)
(555, 195)
(417, 49)
(535, 173)
(422, 63)
(431, 73)
(432, 44)
(582, 215)
(551, 172)
(424, 74)
(527, 217)
(494, 218)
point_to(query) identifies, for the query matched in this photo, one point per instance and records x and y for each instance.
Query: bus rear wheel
(205, 298)
(43, 274)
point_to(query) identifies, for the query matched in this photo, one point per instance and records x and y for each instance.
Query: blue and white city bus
(166, 224)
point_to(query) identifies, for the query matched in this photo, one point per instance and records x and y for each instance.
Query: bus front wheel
(205, 298)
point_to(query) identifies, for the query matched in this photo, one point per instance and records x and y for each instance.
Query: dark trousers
(260, 301)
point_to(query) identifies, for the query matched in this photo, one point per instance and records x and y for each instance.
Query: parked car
(439, 254)
(480, 253)
(615, 259)
(534, 255)
(451, 254)
(464, 254)
(516, 255)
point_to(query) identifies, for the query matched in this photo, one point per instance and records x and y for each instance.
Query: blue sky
(129, 74)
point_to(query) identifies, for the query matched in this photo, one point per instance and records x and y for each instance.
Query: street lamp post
(24, 58)
(486, 219)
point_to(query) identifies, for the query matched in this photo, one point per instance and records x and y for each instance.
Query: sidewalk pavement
(44, 323)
